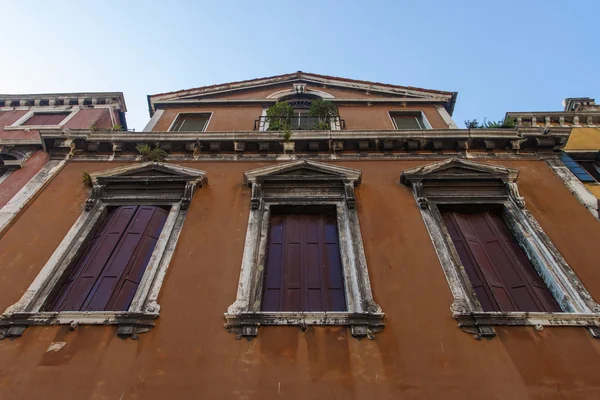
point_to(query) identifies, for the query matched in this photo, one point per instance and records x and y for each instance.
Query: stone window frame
(322, 185)
(580, 308)
(175, 186)
(18, 124)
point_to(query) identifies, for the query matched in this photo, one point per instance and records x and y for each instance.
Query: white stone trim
(579, 308)
(11, 210)
(363, 315)
(290, 92)
(574, 185)
(153, 121)
(31, 308)
(446, 117)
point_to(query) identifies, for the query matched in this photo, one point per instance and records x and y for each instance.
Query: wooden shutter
(500, 273)
(303, 269)
(107, 275)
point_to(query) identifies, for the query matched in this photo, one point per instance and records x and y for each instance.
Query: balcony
(299, 123)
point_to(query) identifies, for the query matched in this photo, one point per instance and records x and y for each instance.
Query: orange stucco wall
(241, 118)
(420, 354)
(19, 178)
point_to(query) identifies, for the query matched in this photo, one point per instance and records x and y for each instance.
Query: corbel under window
(296, 193)
(442, 188)
(161, 191)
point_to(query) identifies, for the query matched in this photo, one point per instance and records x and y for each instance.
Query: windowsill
(485, 321)
(130, 323)
(247, 324)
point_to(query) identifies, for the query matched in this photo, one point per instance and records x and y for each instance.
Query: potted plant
(279, 116)
(288, 145)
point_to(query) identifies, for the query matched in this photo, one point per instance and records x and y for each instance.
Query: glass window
(404, 120)
(191, 122)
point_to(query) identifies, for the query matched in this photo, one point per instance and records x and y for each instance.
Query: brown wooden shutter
(107, 275)
(500, 273)
(303, 269)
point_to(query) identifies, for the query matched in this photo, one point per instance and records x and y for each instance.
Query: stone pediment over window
(302, 191)
(457, 179)
(318, 181)
(299, 169)
(151, 181)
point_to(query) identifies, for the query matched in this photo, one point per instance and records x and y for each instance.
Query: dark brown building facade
(353, 243)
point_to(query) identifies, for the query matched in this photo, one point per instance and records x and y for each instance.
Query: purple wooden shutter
(500, 273)
(108, 273)
(130, 279)
(91, 264)
(303, 269)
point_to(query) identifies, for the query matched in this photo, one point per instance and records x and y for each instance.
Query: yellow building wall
(584, 139)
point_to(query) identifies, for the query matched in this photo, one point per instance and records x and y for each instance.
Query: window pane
(407, 122)
(191, 124)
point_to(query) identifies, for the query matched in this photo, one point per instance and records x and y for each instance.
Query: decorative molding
(498, 187)
(148, 183)
(304, 183)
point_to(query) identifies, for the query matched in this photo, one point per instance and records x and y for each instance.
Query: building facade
(578, 165)
(25, 166)
(302, 236)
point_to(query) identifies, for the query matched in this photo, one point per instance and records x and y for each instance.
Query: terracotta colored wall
(86, 118)
(420, 354)
(224, 118)
(19, 178)
(377, 116)
(241, 118)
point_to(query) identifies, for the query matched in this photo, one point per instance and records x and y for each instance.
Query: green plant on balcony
(508, 123)
(323, 111)
(279, 116)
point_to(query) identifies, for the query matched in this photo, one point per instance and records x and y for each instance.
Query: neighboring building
(579, 164)
(457, 256)
(25, 166)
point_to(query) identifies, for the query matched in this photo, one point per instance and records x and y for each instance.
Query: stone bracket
(349, 194)
(129, 325)
(245, 325)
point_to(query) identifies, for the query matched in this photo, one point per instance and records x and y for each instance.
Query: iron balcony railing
(302, 123)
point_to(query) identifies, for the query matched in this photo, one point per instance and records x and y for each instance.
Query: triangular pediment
(458, 169)
(279, 86)
(303, 170)
(148, 170)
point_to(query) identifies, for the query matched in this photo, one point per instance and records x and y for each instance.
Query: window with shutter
(303, 269)
(502, 276)
(110, 266)
(110, 270)
(501, 267)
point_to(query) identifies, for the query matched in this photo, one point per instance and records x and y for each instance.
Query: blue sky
(499, 55)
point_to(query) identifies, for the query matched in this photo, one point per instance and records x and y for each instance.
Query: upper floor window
(46, 118)
(111, 264)
(501, 267)
(190, 122)
(303, 261)
(409, 120)
(586, 168)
